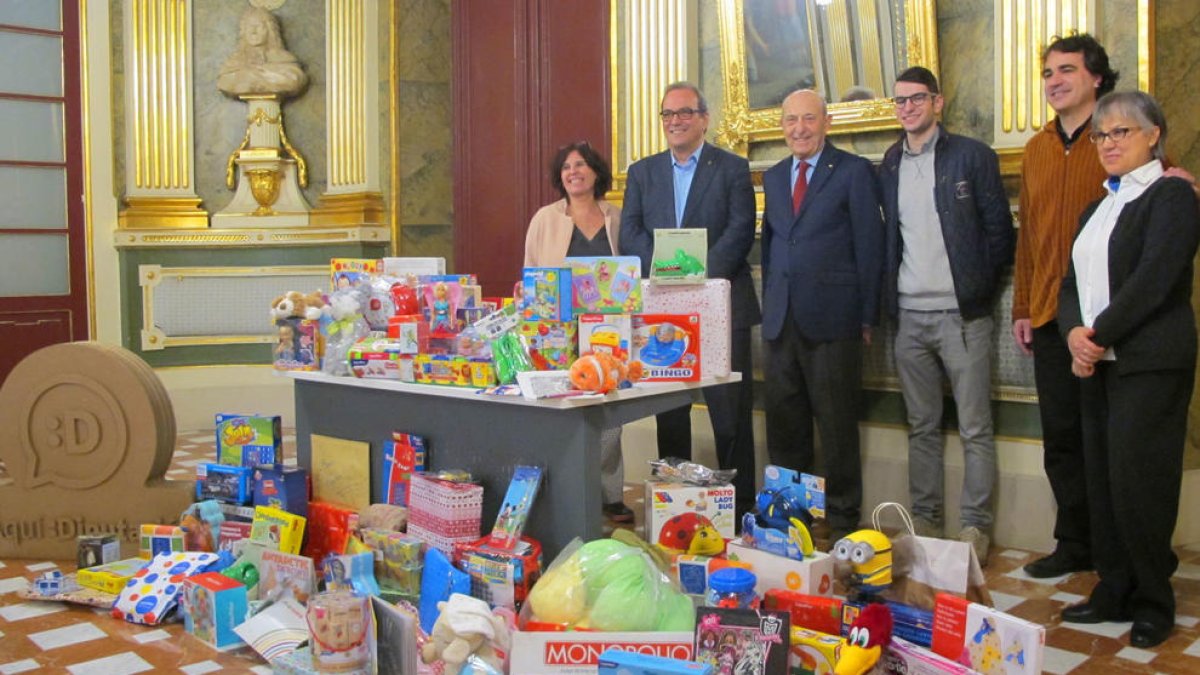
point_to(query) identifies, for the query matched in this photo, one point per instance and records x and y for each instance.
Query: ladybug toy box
(683, 518)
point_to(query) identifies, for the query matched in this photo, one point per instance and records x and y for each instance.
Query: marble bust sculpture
(260, 65)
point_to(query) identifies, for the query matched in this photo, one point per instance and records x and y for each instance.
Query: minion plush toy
(869, 553)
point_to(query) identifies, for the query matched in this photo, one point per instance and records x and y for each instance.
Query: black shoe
(1086, 612)
(1056, 565)
(618, 512)
(1146, 634)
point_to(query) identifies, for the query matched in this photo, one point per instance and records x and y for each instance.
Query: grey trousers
(928, 343)
(612, 466)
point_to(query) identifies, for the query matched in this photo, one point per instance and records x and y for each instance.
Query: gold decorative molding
(660, 47)
(205, 237)
(1010, 160)
(1023, 29)
(1145, 51)
(162, 212)
(352, 195)
(89, 218)
(158, 103)
(740, 124)
(349, 210)
(350, 93)
(151, 276)
(394, 124)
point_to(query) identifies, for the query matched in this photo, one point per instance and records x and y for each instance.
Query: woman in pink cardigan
(582, 224)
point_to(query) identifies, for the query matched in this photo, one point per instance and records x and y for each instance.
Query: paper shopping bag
(925, 566)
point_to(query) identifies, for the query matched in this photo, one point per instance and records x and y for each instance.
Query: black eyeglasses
(684, 114)
(916, 99)
(1117, 134)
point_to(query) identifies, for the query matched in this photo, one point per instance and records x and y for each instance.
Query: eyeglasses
(917, 100)
(1117, 134)
(684, 114)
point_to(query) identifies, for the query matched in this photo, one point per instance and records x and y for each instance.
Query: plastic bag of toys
(343, 327)
(609, 586)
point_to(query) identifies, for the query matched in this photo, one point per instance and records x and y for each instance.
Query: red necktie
(801, 187)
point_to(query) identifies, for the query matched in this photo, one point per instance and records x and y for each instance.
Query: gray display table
(488, 436)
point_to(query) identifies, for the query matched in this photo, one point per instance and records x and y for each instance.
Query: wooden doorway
(43, 266)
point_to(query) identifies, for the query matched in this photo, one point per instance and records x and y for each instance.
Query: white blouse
(1090, 252)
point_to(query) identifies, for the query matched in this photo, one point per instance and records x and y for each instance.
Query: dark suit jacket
(1148, 321)
(825, 263)
(720, 200)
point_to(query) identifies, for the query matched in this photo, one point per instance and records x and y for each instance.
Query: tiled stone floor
(54, 638)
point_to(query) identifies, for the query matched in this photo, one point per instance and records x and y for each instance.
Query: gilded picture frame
(745, 118)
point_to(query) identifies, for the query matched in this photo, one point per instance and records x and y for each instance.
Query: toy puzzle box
(606, 285)
(249, 440)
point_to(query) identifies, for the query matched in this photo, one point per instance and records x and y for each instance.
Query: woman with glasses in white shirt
(1125, 310)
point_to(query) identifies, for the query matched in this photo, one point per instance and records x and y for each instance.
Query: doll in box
(441, 301)
(285, 350)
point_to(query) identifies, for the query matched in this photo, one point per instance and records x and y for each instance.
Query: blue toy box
(787, 495)
(283, 487)
(618, 662)
(229, 484)
(911, 623)
(213, 605)
(546, 294)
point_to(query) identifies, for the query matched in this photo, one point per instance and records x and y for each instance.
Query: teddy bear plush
(296, 305)
(467, 627)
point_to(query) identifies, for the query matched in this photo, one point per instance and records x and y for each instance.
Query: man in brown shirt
(1060, 176)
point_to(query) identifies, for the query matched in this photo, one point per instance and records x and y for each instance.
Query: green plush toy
(611, 586)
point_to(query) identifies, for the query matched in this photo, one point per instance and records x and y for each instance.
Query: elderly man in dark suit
(822, 265)
(696, 184)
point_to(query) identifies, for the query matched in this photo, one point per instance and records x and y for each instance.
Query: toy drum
(338, 623)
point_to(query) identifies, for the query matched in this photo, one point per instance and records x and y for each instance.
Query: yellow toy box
(812, 652)
(110, 578)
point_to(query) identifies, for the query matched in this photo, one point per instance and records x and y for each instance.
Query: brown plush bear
(296, 305)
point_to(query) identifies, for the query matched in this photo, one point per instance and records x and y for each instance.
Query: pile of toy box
(410, 586)
(406, 319)
(313, 585)
(268, 559)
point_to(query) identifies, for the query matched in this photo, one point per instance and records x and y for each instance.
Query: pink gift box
(711, 301)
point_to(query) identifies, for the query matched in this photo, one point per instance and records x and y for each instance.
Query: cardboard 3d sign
(86, 435)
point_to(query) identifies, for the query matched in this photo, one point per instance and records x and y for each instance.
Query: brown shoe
(618, 512)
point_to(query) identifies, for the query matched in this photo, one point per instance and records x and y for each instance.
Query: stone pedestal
(269, 177)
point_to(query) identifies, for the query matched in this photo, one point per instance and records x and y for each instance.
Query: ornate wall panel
(159, 167)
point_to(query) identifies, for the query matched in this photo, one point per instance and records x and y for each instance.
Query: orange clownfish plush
(602, 372)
